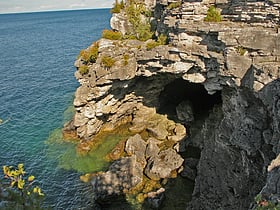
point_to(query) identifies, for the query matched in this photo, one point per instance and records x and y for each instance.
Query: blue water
(37, 52)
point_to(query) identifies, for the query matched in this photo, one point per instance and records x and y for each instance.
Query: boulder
(163, 164)
(122, 175)
(179, 133)
(185, 111)
(152, 148)
(135, 145)
(158, 131)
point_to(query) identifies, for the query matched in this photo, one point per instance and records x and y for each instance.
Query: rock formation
(218, 79)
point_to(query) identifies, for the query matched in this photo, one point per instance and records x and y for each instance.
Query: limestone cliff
(218, 79)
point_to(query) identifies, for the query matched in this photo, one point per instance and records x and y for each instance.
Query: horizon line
(58, 10)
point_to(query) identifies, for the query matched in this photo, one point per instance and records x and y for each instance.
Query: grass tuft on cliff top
(112, 35)
(174, 5)
(213, 15)
(89, 55)
(107, 61)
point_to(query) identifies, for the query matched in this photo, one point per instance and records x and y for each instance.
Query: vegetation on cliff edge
(112, 35)
(89, 55)
(118, 6)
(138, 16)
(174, 5)
(213, 15)
(161, 40)
(107, 61)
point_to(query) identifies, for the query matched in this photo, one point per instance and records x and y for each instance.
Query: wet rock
(191, 162)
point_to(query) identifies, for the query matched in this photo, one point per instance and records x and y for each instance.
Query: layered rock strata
(237, 58)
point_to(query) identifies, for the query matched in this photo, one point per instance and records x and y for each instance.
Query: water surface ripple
(36, 87)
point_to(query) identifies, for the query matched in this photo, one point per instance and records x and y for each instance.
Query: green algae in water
(93, 161)
(68, 113)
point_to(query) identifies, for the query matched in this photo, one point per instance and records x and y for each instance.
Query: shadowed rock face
(180, 90)
(220, 80)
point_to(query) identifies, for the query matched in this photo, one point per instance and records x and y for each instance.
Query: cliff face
(220, 80)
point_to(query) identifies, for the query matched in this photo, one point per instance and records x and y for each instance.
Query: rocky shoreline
(214, 86)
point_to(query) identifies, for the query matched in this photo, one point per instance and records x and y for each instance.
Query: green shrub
(143, 32)
(174, 5)
(112, 35)
(84, 55)
(213, 15)
(129, 36)
(107, 61)
(141, 28)
(83, 69)
(90, 55)
(20, 194)
(151, 44)
(117, 6)
(125, 58)
(93, 50)
(161, 40)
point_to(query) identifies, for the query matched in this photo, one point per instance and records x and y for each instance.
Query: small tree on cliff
(17, 191)
(117, 6)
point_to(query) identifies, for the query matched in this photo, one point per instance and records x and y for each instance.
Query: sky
(15, 6)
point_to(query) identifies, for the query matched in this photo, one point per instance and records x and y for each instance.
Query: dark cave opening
(181, 90)
(202, 103)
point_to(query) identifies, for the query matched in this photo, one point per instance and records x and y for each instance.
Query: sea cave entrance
(180, 90)
(196, 98)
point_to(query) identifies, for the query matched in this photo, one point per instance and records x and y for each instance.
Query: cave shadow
(181, 90)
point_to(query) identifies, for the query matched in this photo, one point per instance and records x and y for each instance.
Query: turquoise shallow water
(36, 89)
